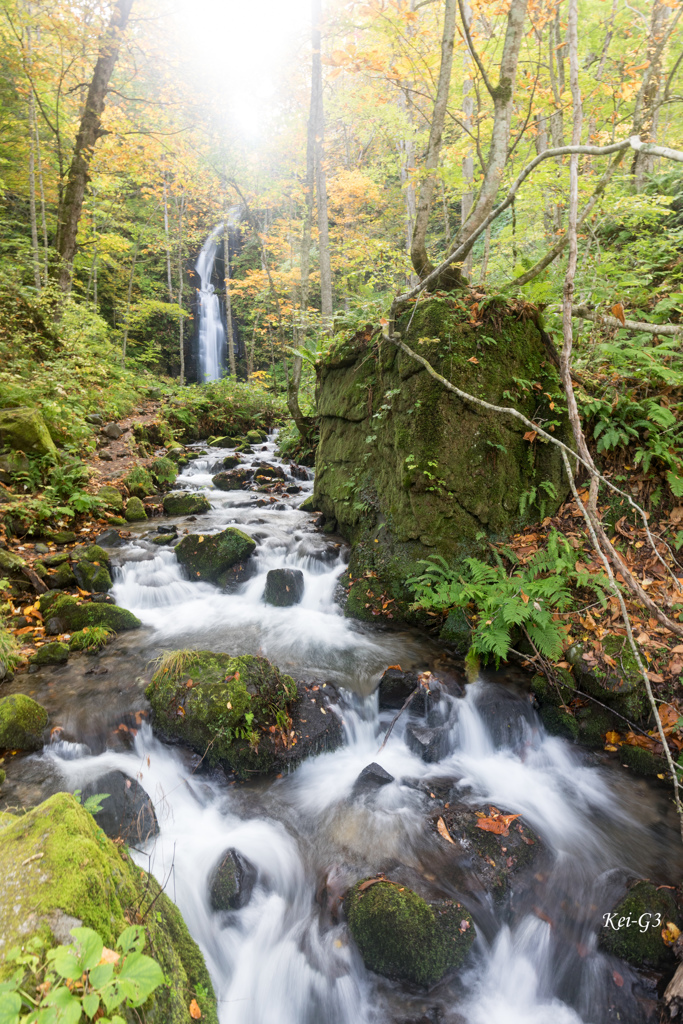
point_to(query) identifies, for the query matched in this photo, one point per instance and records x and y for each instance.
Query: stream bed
(286, 957)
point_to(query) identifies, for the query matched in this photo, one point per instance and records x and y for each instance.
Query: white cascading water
(212, 338)
(279, 959)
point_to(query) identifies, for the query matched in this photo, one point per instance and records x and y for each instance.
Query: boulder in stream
(50, 654)
(372, 778)
(242, 713)
(182, 503)
(231, 882)
(207, 556)
(135, 511)
(65, 614)
(284, 587)
(92, 577)
(430, 744)
(232, 479)
(60, 872)
(633, 930)
(401, 936)
(111, 497)
(127, 812)
(22, 723)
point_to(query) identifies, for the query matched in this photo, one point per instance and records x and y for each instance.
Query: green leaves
(10, 1006)
(72, 961)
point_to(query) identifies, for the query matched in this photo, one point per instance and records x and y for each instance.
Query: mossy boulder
(164, 538)
(111, 497)
(222, 442)
(91, 577)
(309, 504)
(139, 482)
(67, 614)
(256, 436)
(206, 557)
(51, 654)
(24, 429)
(60, 870)
(632, 933)
(401, 936)
(284, 587)
(135, 511)
(456, 630)
(230, 461)
(239, 712)
(233, 479)
(182, 503)
(63, 578)
(163, 472)
(406, 468)
(22, 723)
(61, 536)
(10, 562)
(619, 686)
(642, 762)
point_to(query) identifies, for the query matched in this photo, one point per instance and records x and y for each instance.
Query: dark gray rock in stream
(429, 744)
(284, 587)
(231, 882)
(127, 813)
(372, 777)
(110, 539)
(395, 687)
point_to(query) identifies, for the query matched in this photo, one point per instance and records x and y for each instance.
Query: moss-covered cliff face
(406, 468)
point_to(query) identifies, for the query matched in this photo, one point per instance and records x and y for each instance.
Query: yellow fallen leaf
(670, 933)
(610, 747)
(443, 831)
(612, 737)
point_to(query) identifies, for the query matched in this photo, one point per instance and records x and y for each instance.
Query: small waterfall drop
(212, 337)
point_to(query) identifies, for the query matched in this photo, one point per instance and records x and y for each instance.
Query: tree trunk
(89, 132)
(228, 300)
(251, 349)
(467, 201)
(181, 320)
(169, 276)
(32, 196)
(418, 252)
(318, 112)
(646, 112)
(503, 97)
(126, 322)
(41, 186)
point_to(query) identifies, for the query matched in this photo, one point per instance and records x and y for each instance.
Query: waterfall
(212, 336)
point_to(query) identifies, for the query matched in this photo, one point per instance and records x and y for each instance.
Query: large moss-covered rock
(135, 511)
(183, 504)
(91, 577)
(284, 587)
(139, 482)
(225, 708)
(407, 469)
(50, 654)
(24, 429)
(111, 497)
(22, 722)
(63, 578)
(621, 685)
(402, 936)
(633, 930)
(10, 562)
(232, 479)
(60, 870)
(65, 614)
(206, 557)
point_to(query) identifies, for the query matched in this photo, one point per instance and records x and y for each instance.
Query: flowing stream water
(287, 957)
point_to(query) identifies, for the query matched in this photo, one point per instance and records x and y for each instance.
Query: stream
(287, 957)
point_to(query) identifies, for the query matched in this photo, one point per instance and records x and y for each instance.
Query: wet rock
(50, 654)
(112, 498)
(372, 777)
(127, 813)
(430, 745)
(235, 711)
(299, 472)
(94, 418)
(232, 578)
(182, 503)
(112, 430)
(642, 762)
(619, 686)
(24, 429)
(284, 587)
(268, 472)
(230, 461)
(92, 576)
(223, 442)
(106, 457)
(293, 489)
(309, 504)
(401, 936)
(165, 538)
(631, 934)
(22, 723)
(233, 479)
(395, 687)
(231, 882)
(457, 631)
(65, 614)
(110, 539)
(11, 563)
(82, 877)
(206, 557)
(256, 436)
(135, 511)
(56, 559)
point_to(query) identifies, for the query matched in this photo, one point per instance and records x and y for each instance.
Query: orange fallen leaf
(496, 822)
(443, 831)
(610, 747)
(195, 1012)
(618, 312)
(618, 980)
(612, 737)
(109, 956)
(397, 667)
(473, 359)
(530, 435)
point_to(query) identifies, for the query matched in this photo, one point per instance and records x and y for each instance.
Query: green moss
(209, 714)
(22, 722)
(206, 557)
(3, 776)
(139, 482)
(629, 942)
(9, 649)
(164, 472)
(11, 563)
(457, 630)
(111, 497)
(66, 615)
(402, 936)
(57, 861)
(559, 723)
(50, 654)
(620, 687)
(256, 436)
(64, 578)
(135, 511)
(91, 577)
(642, 762)
(184, 504)
(164, 538)
(309, 504)
(25, 430)
(90, 639)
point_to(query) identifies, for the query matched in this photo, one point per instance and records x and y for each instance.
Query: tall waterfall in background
(212, 343)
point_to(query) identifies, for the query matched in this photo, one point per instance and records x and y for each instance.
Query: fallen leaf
(670, 933)
(195, 1012)
(618, 980)
(473, 359)
(443, 831)
(109, 956)
(612, 737)
(610, 747)
(618, 312)
(399, 669)
(530, 435)
(496, 822)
